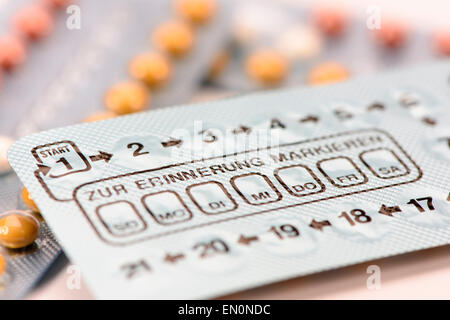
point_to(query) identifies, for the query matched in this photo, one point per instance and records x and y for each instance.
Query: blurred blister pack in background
(68, 73)
(320, 42)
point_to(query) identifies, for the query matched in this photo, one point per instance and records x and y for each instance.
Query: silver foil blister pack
(203, 200)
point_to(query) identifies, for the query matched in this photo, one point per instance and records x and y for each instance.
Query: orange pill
(28, 200)
(196, 11)
(127, 97)
(327, 72)
(152, 68)
(18, 229)
(2, 265)
(332, 21)
(266, 67)
(392, 34)
(34, 21)
(98, 116)
(12, 51)
(441, 42)
(174, 37)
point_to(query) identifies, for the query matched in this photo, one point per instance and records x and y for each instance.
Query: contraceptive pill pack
(80, 64)
(204, 200)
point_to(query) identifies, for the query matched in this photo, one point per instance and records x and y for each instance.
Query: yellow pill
(29, 201)
(152, 68)
(2, 265)
(328, 72)
(174, 37)
(196, 11)
(266, 67)
(18, 229)
(102, 115)
(127, 97)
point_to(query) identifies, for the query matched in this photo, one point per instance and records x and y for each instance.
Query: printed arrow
(343, 115)
(172, 143)
(247, 240)
(375, 106)
(314, 119)
(42, 168)
(388, 211)
(173, 258)
(319, 225)
(101, 156)
(242, 129)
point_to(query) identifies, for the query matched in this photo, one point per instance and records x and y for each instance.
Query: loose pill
(327, 72)
(98, 116)
(174, 37)
(127, 97)
(34, 21)
(196, 11)
(266, 67)
(5, 143)
(392, 34)
(152, 68)
(28, 200)
(441, 42)
(331, 20)
(2, 265)
(18, 229)
(12, 51)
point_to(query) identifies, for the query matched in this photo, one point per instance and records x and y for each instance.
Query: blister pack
(87, 48)
(203, 200)
(305, 40)
(82, 64)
